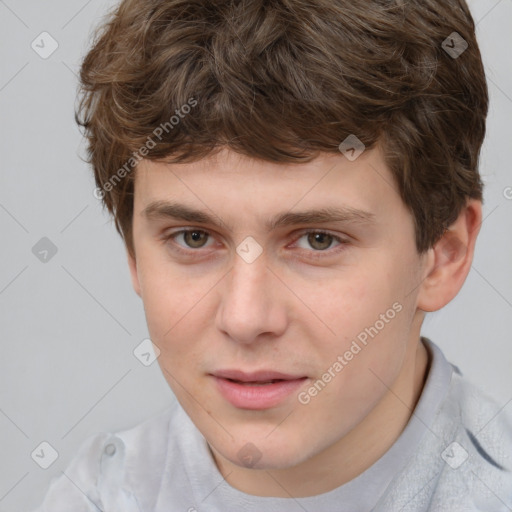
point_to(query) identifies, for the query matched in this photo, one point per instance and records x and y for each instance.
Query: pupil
(322, 239)
(194, 239)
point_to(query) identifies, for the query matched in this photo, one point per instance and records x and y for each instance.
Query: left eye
(319, 240)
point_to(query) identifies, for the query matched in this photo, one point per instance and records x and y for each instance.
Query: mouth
(256, 383)
(257, 377)
(256, 390)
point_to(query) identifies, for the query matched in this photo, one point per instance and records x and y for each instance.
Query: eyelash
(313, 253)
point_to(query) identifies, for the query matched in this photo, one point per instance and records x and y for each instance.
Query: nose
(252, 302)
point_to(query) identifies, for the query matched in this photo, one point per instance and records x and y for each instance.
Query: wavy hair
(282, 80)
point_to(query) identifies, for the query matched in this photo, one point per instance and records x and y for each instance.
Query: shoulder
(109, 467)
(486, 424)
(463, 462)
(467, 412)
(477, 449)
(77, 485)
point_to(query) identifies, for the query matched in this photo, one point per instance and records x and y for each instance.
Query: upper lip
(257, 376)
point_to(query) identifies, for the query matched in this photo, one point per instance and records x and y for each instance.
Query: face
(242, 284)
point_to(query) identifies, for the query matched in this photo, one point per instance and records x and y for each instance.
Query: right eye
(192, 239)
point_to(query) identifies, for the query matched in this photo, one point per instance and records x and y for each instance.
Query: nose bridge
(247, 284)
(249, 305)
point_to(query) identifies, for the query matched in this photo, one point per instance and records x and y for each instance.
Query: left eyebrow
(166, 209)
(322, 215)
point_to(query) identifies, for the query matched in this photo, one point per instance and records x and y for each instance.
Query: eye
(319, 240)
(192, 238)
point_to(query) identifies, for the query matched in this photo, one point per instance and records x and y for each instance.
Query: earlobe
(449, 260)
(132, 265)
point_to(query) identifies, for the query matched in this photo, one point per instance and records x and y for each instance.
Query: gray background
(69, 326)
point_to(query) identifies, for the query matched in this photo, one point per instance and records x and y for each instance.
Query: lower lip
(257, 397)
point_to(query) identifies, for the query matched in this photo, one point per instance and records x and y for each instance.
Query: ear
(132, 264)
(448, 262)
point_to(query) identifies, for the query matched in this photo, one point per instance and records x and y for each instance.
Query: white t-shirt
(454, 455)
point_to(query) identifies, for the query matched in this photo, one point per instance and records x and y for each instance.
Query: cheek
(173, 304)
(369, 318)
(349, 304)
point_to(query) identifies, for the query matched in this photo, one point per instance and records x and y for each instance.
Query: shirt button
(110, 449)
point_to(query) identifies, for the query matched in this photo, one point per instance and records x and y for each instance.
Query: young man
(297, 185)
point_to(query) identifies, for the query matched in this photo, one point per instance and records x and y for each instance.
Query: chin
(264, 455)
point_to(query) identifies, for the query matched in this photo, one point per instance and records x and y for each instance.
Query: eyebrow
(165, 209)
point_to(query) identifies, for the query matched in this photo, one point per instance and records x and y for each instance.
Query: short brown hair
(281, 80)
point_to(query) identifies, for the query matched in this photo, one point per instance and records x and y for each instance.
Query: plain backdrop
(69, 325)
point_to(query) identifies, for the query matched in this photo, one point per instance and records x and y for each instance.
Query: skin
(294, 309)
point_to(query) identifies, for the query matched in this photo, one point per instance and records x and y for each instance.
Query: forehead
(230, 186)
